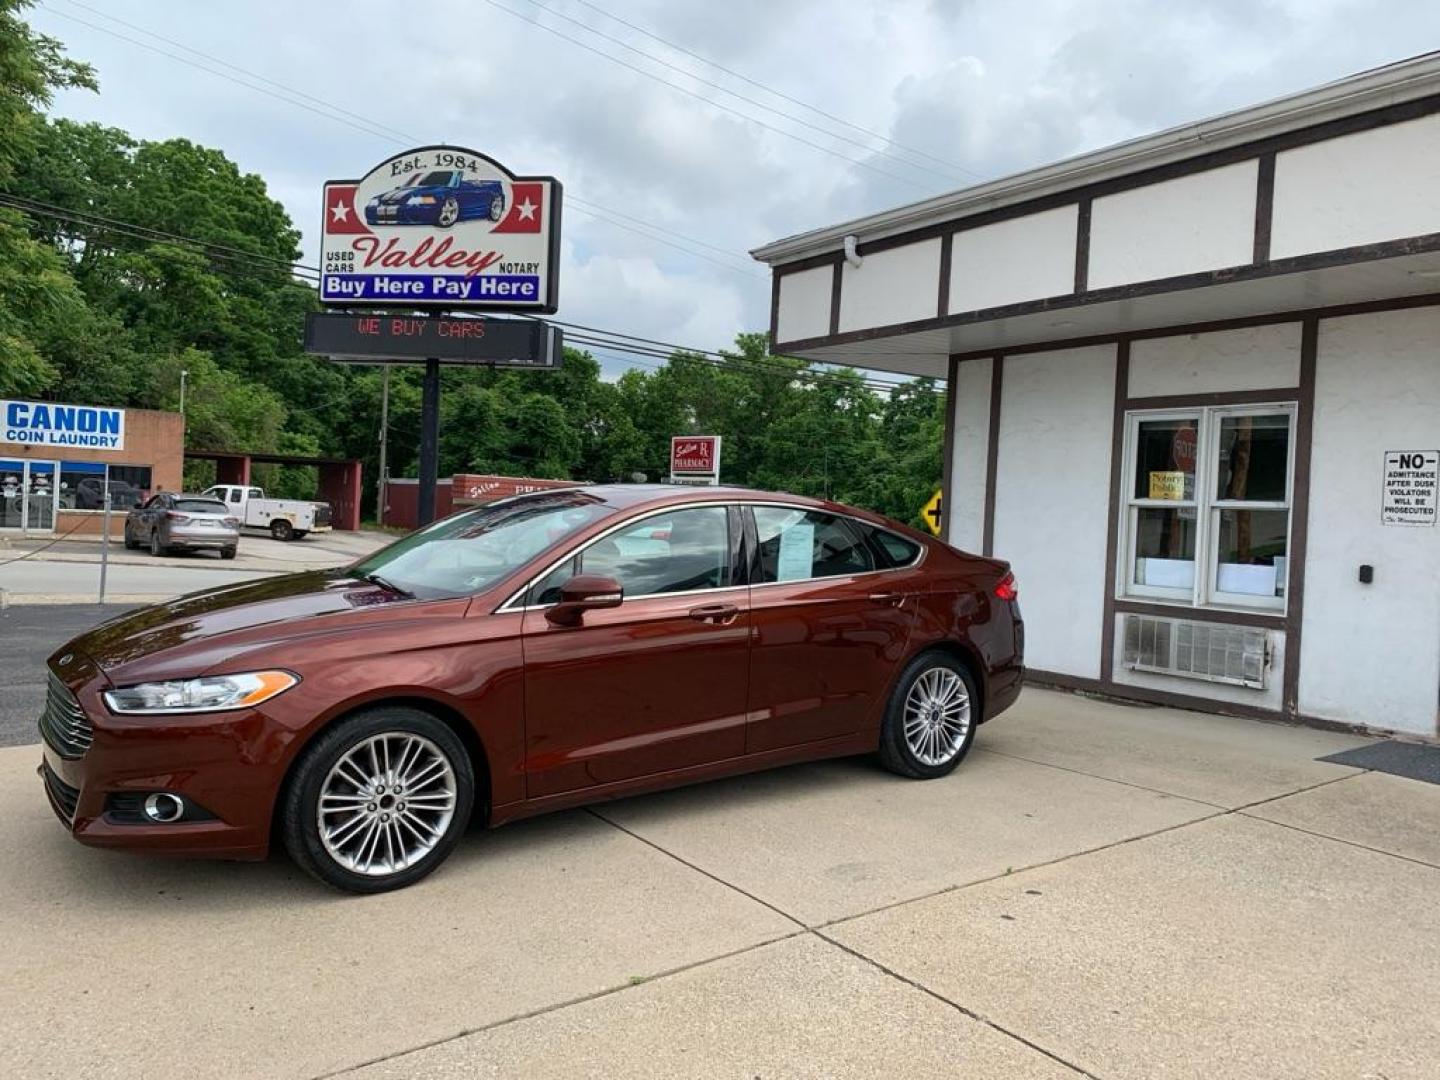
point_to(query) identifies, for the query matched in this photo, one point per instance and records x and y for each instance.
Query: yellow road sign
(933, 511)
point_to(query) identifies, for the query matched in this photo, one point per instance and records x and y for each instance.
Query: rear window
(201, 506)
(897, 550)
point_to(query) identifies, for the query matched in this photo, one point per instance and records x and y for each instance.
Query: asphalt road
(28, 634)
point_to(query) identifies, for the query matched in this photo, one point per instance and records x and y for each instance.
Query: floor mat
(1409, 760)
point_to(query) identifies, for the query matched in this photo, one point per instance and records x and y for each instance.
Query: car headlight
(213, 693)
(422, 200)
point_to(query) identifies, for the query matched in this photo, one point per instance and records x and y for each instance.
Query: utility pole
(384, 445)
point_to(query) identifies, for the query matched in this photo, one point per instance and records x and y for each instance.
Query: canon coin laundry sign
(442, 227)
(44, 423)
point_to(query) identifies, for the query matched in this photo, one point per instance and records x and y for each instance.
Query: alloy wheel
(386, 803)
(449, 213)
(937, 716)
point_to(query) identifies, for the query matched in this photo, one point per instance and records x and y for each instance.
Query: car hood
(193, 634)
(403, 193)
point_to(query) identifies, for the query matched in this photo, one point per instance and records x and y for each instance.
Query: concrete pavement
(1201, 900)
(38, 572)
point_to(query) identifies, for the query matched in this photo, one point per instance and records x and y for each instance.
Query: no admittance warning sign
(1410, 487)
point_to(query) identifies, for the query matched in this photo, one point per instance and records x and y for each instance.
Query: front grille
(64, 725)
(63, 797)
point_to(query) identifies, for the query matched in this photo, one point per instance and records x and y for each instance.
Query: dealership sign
(43, 423)
(695, 459)
(442, 227)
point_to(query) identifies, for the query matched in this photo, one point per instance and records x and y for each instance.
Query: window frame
(743, 535)
(1207, 506)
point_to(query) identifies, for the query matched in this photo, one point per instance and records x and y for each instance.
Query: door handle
(720, 614)
(894, 599)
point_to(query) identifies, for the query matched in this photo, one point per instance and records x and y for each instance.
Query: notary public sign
(378, 338)
(442, 227)
(45, 423)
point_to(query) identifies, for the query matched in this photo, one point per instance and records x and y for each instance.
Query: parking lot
(1099, 891)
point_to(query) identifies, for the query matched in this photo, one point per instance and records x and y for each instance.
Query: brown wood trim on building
(1295, 315)
(837, 281)
(811, 262)
(942, 302)
(774, 309)
(947, 467)
(1264, 206)
(1230, 155)
(992, 452)
(1112, 535)
(1218, 397)
(1300, 516)
(1082, 246)
(1362, 253)
(1224, 616)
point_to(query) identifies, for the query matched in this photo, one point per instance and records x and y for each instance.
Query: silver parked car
(170, 523)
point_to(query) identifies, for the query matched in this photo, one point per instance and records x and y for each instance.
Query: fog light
(162, 807)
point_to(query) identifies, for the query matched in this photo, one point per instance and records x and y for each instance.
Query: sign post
(439, 229)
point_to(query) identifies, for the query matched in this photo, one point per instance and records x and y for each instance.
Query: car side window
(679, 551)
(796, 545)
(254, 494)
(895, 550)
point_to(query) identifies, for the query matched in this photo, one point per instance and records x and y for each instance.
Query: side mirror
(582, 593)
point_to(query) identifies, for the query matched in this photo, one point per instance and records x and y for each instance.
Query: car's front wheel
(379, 801)
(930, 720)
(449, 213)
(497, 207)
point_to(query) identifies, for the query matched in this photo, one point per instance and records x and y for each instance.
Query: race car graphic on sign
(442, 227)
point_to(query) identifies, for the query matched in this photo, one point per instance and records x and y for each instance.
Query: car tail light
(1006, 589)
(173, 516)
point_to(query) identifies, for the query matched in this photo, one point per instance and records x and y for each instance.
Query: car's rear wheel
(227, 553)
(281, 529)
(449, 213)
(156, 547)
(379, 801)
(131, 544)
(930, 719)
(497, 207)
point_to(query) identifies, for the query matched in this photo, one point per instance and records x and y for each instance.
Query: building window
(1207, 515)
(83, 483)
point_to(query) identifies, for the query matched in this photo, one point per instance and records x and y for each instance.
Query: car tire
(353, 860)
(931, 717)
(131, 544)
(227, 553)
(156, 548)
(497, 207)
(281, 529)
(449, 213)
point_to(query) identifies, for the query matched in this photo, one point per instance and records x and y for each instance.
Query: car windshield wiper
(384, 583)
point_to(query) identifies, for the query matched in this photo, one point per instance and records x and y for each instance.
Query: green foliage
(165, 257)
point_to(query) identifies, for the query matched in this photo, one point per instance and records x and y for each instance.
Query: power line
(780, 94)
(337, 114)
(739, 97)
(701, 97)
(636, 344)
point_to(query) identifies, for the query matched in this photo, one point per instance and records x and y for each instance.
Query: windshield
(467, 552)
(435, 179)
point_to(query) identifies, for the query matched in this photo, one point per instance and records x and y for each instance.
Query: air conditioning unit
(1213, 652)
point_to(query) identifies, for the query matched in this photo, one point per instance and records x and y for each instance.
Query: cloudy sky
(793, 113)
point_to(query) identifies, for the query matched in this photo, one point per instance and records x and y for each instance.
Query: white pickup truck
(286, 519)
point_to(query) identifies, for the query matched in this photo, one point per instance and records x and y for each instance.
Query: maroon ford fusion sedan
(548, 650)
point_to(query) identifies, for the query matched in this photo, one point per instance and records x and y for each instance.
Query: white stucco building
(1194, 396)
